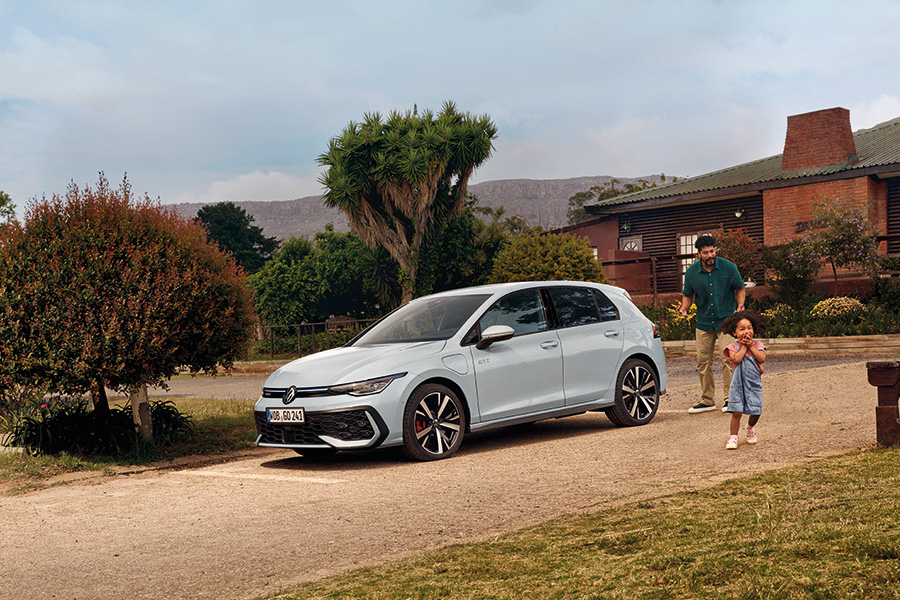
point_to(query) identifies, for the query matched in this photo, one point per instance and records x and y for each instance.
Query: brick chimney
(818, 139)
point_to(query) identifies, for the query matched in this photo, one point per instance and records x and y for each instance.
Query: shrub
(74, 428)
(741, 249)
(547, 257)
(793, 267)
(838, 308)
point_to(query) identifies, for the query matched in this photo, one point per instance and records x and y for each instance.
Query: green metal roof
(878, 146)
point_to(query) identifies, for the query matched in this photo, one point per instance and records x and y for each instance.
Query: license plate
(285, 415)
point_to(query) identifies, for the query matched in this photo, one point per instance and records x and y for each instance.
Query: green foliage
(741, 249)
(232, 228)
(794, 266)
(74, 428)
(886, 293)
(102, 289)
(844, 238)
(7, 208)
(462, 253)
(398, 178)
(669, 322)
(547, 257)
(311, 281)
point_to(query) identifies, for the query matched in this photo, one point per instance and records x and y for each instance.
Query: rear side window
(522, 310)
(608, 310)
(574, 306)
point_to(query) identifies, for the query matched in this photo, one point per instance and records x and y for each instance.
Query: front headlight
(365, 388)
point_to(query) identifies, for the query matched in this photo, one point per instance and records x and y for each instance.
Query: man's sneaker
(751, 435)
(732, 443)
(725, 406)
(700, 407)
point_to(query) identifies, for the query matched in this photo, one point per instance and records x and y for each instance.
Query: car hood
(351, 363)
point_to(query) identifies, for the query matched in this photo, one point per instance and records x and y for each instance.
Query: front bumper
(343, 429)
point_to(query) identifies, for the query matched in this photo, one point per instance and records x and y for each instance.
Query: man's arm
(686, 302)
(740, 295)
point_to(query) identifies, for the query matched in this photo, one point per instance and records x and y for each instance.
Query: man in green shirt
(717, 288)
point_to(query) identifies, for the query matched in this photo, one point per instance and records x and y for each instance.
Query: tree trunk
(98, 397)
(140, 410)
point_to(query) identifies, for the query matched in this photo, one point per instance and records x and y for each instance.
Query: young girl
(747, 357)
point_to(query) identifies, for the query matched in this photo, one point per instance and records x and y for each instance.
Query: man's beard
(710, 262)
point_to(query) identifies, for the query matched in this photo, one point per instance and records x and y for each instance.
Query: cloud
(869, 113)
(273, 185)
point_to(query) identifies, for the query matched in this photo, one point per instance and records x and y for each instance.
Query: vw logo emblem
(289, 395)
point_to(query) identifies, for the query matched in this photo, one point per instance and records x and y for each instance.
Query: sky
(229, 100)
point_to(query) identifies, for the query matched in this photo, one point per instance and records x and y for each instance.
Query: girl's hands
(746, 339)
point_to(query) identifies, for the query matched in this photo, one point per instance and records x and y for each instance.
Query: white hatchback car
(469, 360)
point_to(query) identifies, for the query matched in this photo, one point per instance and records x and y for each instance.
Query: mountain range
(541, 202)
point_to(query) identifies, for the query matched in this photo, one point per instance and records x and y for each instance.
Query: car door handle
(550, 344)
(611, 333)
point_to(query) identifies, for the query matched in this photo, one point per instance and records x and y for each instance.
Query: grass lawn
(828, 529)
(221, 426)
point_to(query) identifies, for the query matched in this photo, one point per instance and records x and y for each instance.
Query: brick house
(648, 236)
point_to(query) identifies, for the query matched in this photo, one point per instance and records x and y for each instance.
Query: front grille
(347, 426)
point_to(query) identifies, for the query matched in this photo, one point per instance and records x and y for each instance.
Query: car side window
(574, 306)
(522, 310)
(608, 310)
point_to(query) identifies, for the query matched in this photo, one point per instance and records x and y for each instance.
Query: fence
(333, 332)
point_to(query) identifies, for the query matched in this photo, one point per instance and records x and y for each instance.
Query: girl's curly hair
(758, 321)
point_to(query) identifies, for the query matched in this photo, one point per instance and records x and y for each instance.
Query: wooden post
(140, 411)
(653, 281)
(300, 341)
(886, 377)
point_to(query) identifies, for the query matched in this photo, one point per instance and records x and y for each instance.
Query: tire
(434, 422)
(637, 395)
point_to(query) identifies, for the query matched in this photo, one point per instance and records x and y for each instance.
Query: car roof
(504, 288)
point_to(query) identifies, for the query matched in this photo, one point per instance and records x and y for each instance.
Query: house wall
(789, 210)
(600, 234)
(660, 228)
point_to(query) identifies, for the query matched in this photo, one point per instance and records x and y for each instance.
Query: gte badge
(289, 395)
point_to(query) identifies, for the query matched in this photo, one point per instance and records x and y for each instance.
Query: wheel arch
(647, 359)
(456, 389)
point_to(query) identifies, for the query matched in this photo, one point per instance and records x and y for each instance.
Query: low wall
(850, 344)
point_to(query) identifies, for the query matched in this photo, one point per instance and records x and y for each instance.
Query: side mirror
(495, 333)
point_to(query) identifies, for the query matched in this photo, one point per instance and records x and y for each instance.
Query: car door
(591, 336)
(523, 374)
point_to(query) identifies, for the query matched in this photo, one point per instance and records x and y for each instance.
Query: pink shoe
(732, 443)
(751, 435)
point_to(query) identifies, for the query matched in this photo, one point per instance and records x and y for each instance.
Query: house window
(631, 242)
(686, 246)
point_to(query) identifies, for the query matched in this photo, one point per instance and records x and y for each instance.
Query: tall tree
(99, 288)
(232, 228)
(396, 179)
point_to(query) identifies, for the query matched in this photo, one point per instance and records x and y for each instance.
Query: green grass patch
(220, 426)
(828, 529)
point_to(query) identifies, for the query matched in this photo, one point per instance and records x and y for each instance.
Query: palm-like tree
(397, 178)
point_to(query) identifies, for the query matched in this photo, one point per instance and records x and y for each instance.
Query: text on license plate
(285, 415)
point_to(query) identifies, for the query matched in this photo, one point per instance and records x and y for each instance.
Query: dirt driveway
(270, 518)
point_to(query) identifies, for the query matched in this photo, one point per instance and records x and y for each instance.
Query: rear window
(574, 306)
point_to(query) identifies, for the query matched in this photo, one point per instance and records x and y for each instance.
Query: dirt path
(270, 519)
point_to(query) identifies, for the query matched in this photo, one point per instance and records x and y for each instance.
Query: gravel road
(269, 518)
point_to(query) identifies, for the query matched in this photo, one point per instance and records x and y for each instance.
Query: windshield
(423, 320)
